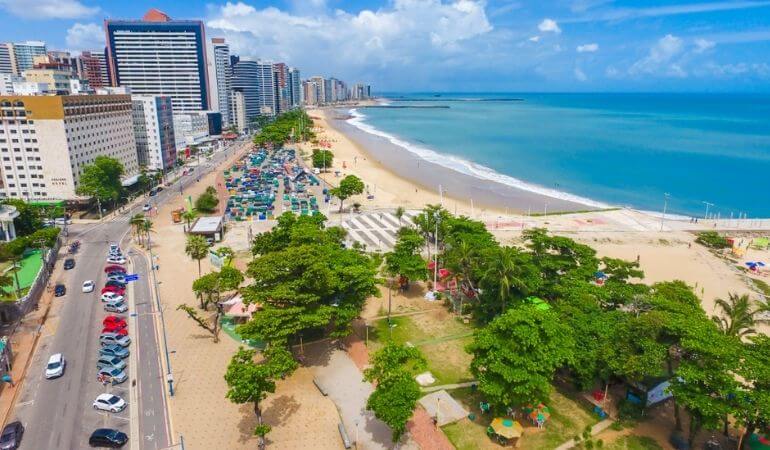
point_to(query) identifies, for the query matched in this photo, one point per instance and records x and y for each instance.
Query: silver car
(110, 361)
(114, 338)
(116, 307)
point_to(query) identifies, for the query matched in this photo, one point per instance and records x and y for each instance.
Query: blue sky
(459, 45)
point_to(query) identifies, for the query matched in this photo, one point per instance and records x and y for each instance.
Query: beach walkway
(376, 230)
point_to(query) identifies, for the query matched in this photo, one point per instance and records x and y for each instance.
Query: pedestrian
(638, 257)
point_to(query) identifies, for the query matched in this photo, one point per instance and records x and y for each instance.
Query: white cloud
(702, 45)
(48, 9)
(587, 48)
(615, 14)
(580, 75)
(85, 36)
(534, 39)
(549, 25)
(661, 59)
(742, 70)
(416, 33)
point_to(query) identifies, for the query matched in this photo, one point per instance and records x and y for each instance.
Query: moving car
(146, 207)
(110, 361)
(11, 437)
(114, 247)
(55, 366)
(69, 263)
(112, 374)
(114, 350)
(107, 437)
(59, 290)
(113, 338)
(116, 307)
(109, 402)
(88, 286)
(116, 260)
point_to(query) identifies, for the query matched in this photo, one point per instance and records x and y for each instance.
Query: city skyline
(465, 45)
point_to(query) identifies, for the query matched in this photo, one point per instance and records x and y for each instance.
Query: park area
(28, 269)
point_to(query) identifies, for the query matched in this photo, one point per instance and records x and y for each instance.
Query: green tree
(29, 219)
(101, 180)
(516, 355)
(189, 215)
(739, 315)
(502, 275)
(349, 186)
(432, 218)
(712, 239)
(249, 382)
(197, 248)
(405, 259)
(227, 253)
(206, 203)
(145, 228)
(322, 159)
(396, 393)
(399, 213)
(137, 222)
(753, 398)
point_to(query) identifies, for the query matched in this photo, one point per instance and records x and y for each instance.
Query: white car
(111, 297)
(55, 366)
(109, 402)
(88, 286)
(116, 260)
(146, 207)
(114, 248)
(62, 221)
(115, 307)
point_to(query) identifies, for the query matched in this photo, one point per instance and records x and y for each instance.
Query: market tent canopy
(507, 428)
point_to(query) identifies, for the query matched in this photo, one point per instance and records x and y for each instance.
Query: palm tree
(227, 254)
(197, 248)
(189, 215)
(399, 214)
(503, 273)
(136, 221)
(739, 315)
(146, 228)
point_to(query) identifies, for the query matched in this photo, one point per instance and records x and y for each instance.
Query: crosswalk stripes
(377, 230)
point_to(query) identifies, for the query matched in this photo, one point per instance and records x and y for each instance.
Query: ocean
(601, 150)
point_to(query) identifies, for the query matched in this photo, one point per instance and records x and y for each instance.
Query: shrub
(712, 239)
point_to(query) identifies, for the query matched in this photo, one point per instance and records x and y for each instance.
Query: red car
(111, 329)
(114, 290)
(114, 268)
(114, 321)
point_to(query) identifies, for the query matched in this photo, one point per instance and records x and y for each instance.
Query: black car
(115, 283)
(11, 437)
(69, 263)
(107, 437)
(59, 290)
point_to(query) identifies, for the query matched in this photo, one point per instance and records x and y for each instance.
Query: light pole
(665, 205)
(707, 209)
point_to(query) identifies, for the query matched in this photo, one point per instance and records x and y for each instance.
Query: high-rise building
(320, 87)
(268, 101)
(56, 81)
(7, 59)
(246, 81)
(92, 66)
(313, 91)
(238, 108)
(25, 53)
(281, 87)
(154, 132)
(295, 88)
(160, 56)
(221, 79)
(47, 140)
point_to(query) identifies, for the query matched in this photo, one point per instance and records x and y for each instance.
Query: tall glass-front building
(160, 56)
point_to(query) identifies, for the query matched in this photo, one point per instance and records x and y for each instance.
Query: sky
(458, 45)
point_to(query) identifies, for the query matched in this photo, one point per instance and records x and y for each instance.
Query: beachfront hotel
(160, 56)
(47, 140)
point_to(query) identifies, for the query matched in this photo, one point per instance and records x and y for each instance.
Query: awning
(130, 180)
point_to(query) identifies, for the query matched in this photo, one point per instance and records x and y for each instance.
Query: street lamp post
(665, 205)
(707, 209)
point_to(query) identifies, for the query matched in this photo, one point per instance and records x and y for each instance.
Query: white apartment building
(154, 132)
(47, 140)
(190, 129)
(220, 76)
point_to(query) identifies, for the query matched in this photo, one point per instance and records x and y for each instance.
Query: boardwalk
(376, 230)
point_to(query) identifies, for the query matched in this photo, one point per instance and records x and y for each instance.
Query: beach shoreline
(409, 181)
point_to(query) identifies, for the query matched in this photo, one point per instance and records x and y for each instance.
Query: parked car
(119, 277)
(116, 260)
(59, 290)
(114, 268)
(117, 284)
(69, 263)
(107, 437)
(111, 297)
(109, 402)
(112, 374)
(11, 437)
(113, 319)
(62, 221)
(88, 286)
(114, 330)
(114, 246)
(146, 207)
(114, 350)
(55, 366)
(153, 192)
(114, 290)
(110, 361)
(116, 307)
(112, 338)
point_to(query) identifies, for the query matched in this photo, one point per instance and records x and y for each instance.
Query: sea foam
(358, 120)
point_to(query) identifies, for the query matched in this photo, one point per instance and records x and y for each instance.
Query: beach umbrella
(760, 264)
(507, 428)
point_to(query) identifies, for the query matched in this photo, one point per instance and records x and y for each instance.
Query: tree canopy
(349, 186)
(101, 180)
(295, 123)
(322, 159)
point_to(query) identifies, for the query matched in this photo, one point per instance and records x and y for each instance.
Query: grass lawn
(441, 339)
(633, 443)
(567, 420)
(28, 268)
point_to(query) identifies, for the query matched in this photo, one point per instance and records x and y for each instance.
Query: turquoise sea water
(613, 149)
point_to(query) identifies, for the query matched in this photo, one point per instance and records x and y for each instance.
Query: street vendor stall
(505, 431)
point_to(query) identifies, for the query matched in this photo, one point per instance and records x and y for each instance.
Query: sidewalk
(23, 343)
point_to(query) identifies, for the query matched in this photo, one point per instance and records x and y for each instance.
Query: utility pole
(665, 206)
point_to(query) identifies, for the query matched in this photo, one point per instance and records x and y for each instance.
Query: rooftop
(207, 225)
